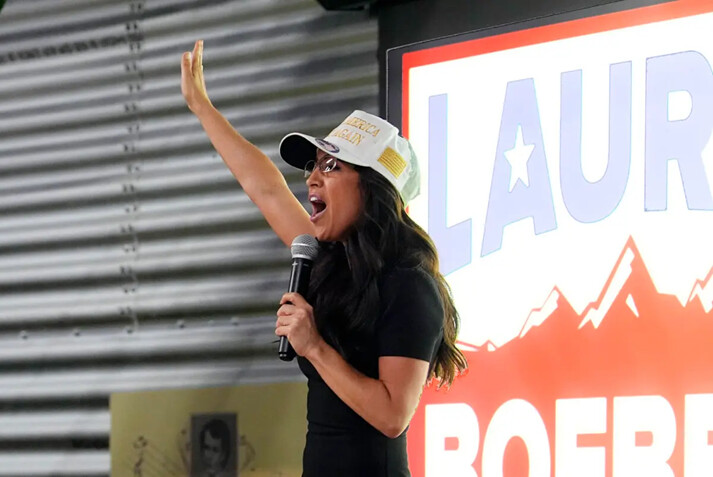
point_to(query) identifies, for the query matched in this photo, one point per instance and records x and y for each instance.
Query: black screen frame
(394, 56)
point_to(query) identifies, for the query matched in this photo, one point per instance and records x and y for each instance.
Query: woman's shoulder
(407, 272)
(405, 279)
(411, 307)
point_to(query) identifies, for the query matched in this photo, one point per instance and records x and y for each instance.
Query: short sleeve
(411, 324)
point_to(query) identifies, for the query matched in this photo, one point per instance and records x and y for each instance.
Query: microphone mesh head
(305, 246)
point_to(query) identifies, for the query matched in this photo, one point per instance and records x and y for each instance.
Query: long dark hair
(346, 276)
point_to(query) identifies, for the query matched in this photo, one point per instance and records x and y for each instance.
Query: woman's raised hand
(192, 80)
(260, 178)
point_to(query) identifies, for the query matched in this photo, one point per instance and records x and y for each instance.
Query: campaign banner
(567, 173)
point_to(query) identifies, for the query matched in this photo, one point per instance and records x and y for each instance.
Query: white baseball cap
(364, 140)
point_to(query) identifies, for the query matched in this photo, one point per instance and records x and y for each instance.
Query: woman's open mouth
(318, 207)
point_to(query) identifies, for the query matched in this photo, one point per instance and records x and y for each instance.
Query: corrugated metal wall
(130, 259)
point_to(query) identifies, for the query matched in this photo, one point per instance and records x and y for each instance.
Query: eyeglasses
(325, 164)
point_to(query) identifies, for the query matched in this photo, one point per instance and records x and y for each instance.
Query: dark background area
(410, 21)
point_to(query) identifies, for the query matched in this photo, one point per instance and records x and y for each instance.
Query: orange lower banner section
(626, 393)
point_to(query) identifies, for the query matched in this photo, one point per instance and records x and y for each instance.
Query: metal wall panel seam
(60, 159)
(65, 52)
(19, 104)
(55, 81)
(38, 179)
(64, 463)
(25, 14)
(179, 291)
(157, 254)
(230, 14)
(57, 424)
(19, 8)
(166, 299)
(235, 338)
(37, 259)
(101, 381)
(66, 25)
(248, 38)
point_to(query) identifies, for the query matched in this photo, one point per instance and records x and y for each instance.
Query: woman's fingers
(288, 314)
(294, 298)
(187, 61)
(286, 309)
(197, 57)
(295, 319)
(284, 320)
(186, 77)
(200, 69)
(186, 66)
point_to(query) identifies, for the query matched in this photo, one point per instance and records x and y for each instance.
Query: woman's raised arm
(261, 180)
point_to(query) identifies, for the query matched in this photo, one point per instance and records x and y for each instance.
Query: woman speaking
(378, 321)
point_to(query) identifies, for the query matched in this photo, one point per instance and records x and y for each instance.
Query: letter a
(512, 201)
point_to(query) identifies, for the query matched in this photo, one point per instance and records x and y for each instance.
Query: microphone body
(304, 251)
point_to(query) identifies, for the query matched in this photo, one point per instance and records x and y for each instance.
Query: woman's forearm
(387, 406)
(261, 180)
(255, 172)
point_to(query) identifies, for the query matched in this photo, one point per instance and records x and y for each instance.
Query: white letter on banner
(455, 421)
(645, 414)
(697, 452)
(574, 417)
(516, 418)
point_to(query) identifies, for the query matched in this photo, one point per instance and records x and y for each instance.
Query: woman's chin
(325, 236)
(321, 235)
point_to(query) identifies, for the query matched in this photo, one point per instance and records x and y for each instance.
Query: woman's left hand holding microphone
(295, 319)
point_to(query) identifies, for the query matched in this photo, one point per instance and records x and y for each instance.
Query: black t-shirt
(341, 443)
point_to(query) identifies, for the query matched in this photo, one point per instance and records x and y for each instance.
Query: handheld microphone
(305, 249)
